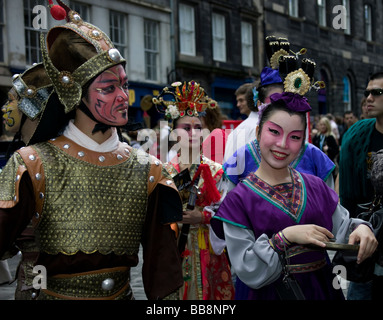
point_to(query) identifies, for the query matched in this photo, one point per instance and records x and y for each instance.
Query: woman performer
(278, 213)
(206, 276)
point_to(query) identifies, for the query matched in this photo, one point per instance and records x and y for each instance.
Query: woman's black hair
(279, 106)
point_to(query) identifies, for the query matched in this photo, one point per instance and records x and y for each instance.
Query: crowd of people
(253, 220)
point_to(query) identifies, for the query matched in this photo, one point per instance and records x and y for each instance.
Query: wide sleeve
(15, 219)
(343, 225)
(255, 262)
(161, 271)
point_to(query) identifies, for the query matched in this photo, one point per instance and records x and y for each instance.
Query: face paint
(108, 97)
(193, 127)
(281, 139)
(11, 113)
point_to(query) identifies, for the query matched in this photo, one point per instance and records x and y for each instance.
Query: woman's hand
(192, 216)
(367, 242)
(308, 234)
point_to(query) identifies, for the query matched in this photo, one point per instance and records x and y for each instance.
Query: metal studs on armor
(101, 158)
(114, 55)
(65, 79)
(37, 215)
(30, 92)
(81, 154)
(151, 179)
(66, 146)
(17, 177)
(119, 157)
(41, 195)
(169, 182)
(34, 295)
(127, 151)
(38, 176)
(157, 163)
(14, 198)
(95, 34)
(75, 17)
(107, 284)
(32, 157)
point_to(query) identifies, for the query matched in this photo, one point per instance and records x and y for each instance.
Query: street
(7, 291)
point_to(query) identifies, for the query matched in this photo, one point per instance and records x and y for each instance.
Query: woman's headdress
(183, 99)
(298, 79)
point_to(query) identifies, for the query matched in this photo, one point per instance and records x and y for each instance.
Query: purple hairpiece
(270, 76)
(292, 101)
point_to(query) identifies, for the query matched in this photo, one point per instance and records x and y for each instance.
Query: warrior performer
(207, 276)
(84, 200)
(277, 222)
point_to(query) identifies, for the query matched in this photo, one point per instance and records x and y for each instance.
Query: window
(187, 30)
(151, 49)
(247, 44)
(346, 5)
(219, 37)
(322, 19)
(294, 8)
(1, 31)
(118, 31)
(367, 22)
(32, 36)
(81, 9)
(346, 93)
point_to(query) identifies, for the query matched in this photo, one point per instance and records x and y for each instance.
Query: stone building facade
(345, 38)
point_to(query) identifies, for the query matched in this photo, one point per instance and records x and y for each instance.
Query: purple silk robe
(259, 207)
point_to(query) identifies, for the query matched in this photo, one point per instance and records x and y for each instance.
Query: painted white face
(281, 139)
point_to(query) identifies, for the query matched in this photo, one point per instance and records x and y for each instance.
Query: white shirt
(76, 135)
(241, 135)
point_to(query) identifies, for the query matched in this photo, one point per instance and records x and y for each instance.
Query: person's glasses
(374, 92)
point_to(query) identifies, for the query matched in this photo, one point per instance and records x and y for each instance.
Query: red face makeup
(281, 139)
(108, 97)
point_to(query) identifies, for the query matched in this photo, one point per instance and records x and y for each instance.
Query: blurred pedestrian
(359, 144)
(349, 118)
(245, 132)
(334, 126)
(325, 139)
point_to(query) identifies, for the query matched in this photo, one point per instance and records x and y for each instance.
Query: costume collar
(75, 134)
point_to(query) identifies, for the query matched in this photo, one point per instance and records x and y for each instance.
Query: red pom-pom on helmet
(57, 11)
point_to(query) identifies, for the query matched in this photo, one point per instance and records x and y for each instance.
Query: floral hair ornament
(183, 99)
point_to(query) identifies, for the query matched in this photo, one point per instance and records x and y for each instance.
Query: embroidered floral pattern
(289, 197)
